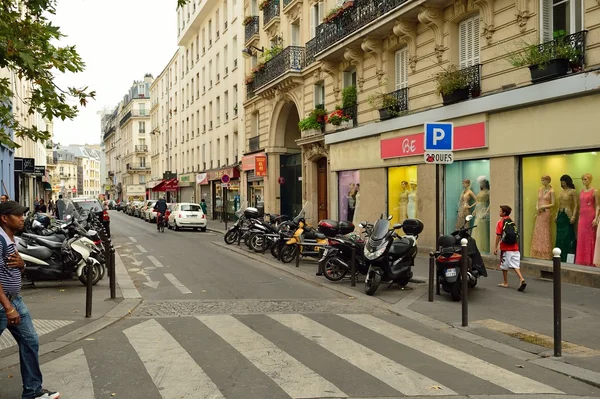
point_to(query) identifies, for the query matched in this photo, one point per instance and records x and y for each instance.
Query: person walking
(41, 208)
(507, 238)
(14, 315)
(203, 205)
(60, 207)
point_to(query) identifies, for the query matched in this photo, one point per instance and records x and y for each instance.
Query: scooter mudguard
(82, 264)
(30, 259)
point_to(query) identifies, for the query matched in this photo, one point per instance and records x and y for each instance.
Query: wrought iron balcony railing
(473, 77)
(291, 59)
(251, 28)
(349, 21)
(254, 143)
(137, 166)
(250, 91)
(352, 112)
(271, 11)
(141, 148)
(560, 45)
(401, 99)
(311, 50)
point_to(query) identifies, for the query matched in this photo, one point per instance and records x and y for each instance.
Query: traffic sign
(73, 190)
(439, 136)
(439, 157)
(226, 185)
(281, 180)
(225, 178)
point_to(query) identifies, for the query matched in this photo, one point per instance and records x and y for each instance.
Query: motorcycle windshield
(381, 228)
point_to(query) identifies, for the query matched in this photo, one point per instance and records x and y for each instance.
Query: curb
(130, 300)
(400, 308)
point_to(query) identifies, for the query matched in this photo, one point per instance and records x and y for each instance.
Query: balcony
(290, 60)
(352, 112)
(576, 41)
(251, 28)
(271, 13)
(472, 79)
(393, 104)
(137, 166)
(253, 144)
(348, 21)
(141, 148)
(250, 91)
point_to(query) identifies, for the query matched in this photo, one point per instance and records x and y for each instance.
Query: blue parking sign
(439, 136)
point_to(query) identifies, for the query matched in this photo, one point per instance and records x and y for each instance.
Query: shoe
(47, 394)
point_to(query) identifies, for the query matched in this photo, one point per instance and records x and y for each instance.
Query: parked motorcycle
(448, 261)
(236, 232)
(305, 239)
(389, 256)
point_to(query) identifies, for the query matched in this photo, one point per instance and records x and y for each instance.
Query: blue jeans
(27, 339)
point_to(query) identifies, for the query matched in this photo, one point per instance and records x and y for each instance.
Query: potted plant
(337, 117)
(388, 105)
(309, 126)
(348, 4)
(349, 96)
(263, 4)
(452, 85)
(547, 60)
(249, 79)
(269, 53)
(258, 68)
(334, 12)
(248, 20)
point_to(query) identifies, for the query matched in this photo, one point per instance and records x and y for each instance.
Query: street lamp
(247, 51)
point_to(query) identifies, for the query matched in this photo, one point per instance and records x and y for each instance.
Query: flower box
(554, 69)
(311, 132)
(347, 124)
(456, 96)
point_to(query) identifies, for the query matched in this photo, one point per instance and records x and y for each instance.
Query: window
(210, 74)
(559, 18)
(225, 15)
(295, 34)
(319, 94)
(191, 92)
(350, 77)
(316, 16)
(204, 118)
(142, 108)
(142, 127)
(468, 39)
(209, 32)
(203, 79)
(255, 124)
(218, 106)
(225, 51)
(197, 47)
(203, 40)
(143, 178)
(198, 85)
(226, 104)
(401, 68)
(217, 23)
(210, 115)
(235, 51)
(235, 96)
(254, 7)
(217, 65)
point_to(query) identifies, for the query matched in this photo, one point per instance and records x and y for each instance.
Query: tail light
(203, 216)
(98, 242)
(154, 210)
(105, 216)
(179, 216)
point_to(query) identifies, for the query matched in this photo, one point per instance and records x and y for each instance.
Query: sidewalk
(501, 319)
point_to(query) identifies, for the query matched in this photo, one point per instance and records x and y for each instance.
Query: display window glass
(560, 207)
(467, 192)
(349, 195)
(403, 193)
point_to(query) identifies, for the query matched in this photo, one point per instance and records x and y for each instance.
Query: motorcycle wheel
(230, 237)
(372, 284)
(332, 271)
(275, 250)
(288, 253)
(256, 242)
(96, 274)
(455, 291)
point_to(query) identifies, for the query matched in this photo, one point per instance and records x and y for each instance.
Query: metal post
(113, 277)
(557, 303)
(353, 267)
(437, 220)
(464, 282)
(297, 255)
(225, 206)
(431, 276)
(88, 290)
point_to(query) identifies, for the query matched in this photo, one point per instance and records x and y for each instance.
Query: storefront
(168, 188)
(349, 195)
(187, 192)
(150, 194)
(225, 193)
(255, 170)
(403, 193)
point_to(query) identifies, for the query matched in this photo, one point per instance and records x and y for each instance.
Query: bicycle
(160, 221)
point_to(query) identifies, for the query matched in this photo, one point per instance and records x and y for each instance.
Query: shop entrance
(322, 188)
(291, 186)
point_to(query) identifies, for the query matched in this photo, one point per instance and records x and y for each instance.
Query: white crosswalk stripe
(282, 347)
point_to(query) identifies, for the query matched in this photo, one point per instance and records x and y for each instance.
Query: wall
(504, 172)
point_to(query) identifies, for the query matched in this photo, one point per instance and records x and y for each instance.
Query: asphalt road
(214, 324)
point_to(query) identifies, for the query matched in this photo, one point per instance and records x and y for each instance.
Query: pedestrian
(14, 315)
(3, 198)
(41, 208)
(51, 206)
(203, 205)
(60, 207)
(507, 238)
(36, 202)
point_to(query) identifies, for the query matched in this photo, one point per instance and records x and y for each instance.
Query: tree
(27, 49)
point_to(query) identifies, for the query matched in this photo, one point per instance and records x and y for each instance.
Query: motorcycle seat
(48, 243)
(35, 251)
(320, 235)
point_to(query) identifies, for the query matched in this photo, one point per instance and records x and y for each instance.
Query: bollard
(465, 282)
(88, 290)
(431, 276)
(297, 255)
(557, 302)
(353, 267)
(112, 276)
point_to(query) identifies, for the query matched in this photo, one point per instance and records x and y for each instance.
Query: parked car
(93, 205)
(112, 204)
(137, 209)
(187, 215)
(121, 206)
(149, 214)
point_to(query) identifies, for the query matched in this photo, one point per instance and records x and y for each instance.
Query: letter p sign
(439, 136)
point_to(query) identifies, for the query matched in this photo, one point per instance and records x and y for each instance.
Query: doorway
(322, 188)
(291, 185)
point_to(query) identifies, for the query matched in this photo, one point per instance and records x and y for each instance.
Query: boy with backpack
(507, 237)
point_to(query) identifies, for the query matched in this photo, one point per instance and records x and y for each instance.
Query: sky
(120, 41)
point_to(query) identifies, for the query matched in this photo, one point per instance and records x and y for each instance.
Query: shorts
(510, 260)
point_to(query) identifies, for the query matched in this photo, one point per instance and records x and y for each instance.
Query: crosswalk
(285, 356)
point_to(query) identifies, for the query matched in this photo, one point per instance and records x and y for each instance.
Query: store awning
(47, 186)
(167, 185)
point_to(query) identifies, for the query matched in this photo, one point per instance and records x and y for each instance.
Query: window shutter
(401, 68)
(468, 37)
(313, 16)
(545, 21)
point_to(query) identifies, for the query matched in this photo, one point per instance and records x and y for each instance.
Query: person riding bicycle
(161, 208)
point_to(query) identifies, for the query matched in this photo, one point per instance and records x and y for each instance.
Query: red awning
(167, 185)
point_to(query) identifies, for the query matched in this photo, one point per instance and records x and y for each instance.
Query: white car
(187, 215)
(147, 214)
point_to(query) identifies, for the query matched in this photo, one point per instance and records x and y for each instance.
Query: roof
(82, 152)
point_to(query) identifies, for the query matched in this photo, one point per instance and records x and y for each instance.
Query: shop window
(402, 193)
(559, 18)
(467, 192)
(549, 206)
(349, 195)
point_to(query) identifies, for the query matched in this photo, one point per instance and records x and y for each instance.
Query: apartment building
(127, 143)
(392, 66)
(63, 173)
(88, 159)
(198, 120)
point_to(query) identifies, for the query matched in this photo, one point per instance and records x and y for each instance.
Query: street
(214, 323)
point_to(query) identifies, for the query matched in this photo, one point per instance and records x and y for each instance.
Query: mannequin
(403, 207)
(351, 201)
(481, 233)
(587, 226)
(355, 219)
(596, 260)
(565, 219)
(541, 244)
(464, 203)
(413, 198)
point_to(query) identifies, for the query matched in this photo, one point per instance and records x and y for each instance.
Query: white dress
(355, 220)
(412, 205)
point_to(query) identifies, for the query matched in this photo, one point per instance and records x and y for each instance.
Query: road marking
(462, 361)
(297, 380)
(177, 284)
(141, 249)
(132, 239)
(172, 369)
(397, 376)
(42, 327)
(71, 373)
(124, 281)
(155, 261)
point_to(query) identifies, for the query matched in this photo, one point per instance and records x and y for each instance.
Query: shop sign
(439, 157)
(25, 165)
(185, 178)
(202, 178)
(107, 188)
(260, 165)
(172, 185)
(137, 189)
(249, 163)
(465, 138)
(73, 190)
(39, 170)
(218, 174)
(168, 175)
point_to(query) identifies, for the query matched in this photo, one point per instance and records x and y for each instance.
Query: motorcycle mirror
(390, 217)
(469, 218)
(397, 226)
(361, 226)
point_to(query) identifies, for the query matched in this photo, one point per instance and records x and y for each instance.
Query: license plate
(192, 216)
(324, 255)
(450, 272)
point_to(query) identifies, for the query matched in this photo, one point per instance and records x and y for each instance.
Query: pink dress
(586, 233)
(541, 244)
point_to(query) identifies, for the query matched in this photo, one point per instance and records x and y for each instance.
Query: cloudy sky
(120, 41)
